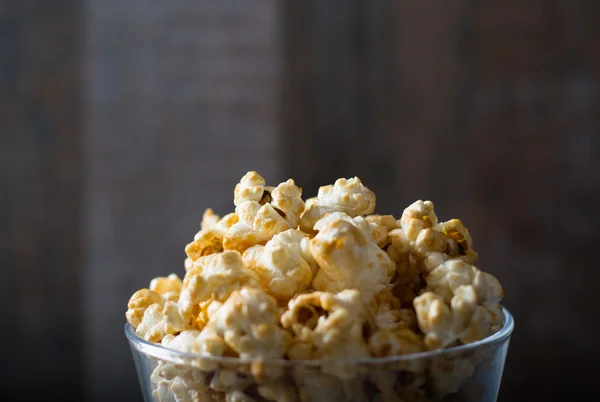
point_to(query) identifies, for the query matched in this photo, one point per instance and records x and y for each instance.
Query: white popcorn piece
(349, 260)
(287, 198)
(416, 217)
(465, 318)
(282, 270)
(327, 326)
(388, 313)
(246, 324)
(165, 285)
(160, 320)
(263, 212)
(209, 219)
(460, 243)
(380, 226)
(387, 342)
(250, 188)
(345, 195)
(139, 303)
(214, 277)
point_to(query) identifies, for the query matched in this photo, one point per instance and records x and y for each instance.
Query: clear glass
(465, 373)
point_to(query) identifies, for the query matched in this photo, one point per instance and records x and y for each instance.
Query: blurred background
(121, 121)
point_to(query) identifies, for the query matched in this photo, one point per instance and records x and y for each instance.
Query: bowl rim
(163, 353)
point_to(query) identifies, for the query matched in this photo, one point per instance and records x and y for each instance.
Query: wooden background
(121, 121)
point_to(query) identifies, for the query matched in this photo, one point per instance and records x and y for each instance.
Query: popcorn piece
(188, 263)
(182, 342)
(139, 303)
(269, 222)
(460, 243)
(287, 198)
(209, 219)
(450, 275)
(407, 277)
(392, 343)
(282, 270)
(215, 276)
(160, 320)
(250, 188)
(327, 326)
(209, 240)
(247, 325)
(347, 259)
(345, 195)
(466, 318)
(163, 285)
(429, 241)
(387, 312)
(380, 226)
(263, 212)
(240, 237)
(435, 320)
(416, 217)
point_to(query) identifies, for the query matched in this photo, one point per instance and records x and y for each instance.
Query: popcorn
(209, 219)
(214, 276)
(250, 188)
(262, 211)
(139, 303)
(282, 270)
(209, 239)
(393, 343)
(387, 312)
(280, 278)
(380, 226)
(246, 324)
(460, 243)
(416, 217)
(327, 326)
(170, 284)
(287, 198)
(159, 320)
(348, 259)
(345, 195)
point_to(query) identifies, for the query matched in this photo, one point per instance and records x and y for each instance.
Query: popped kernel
(348, 259)
(282, 270)
(345, 195)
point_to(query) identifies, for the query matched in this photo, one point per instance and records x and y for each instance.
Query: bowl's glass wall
(468, 373)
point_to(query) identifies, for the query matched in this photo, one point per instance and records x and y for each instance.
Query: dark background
(121, 121)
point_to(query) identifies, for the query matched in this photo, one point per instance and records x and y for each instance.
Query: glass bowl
(469, 372)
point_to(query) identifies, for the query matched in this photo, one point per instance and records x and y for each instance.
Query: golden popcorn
(246, 324)
(325, 278)
(330, 324)
(416, 217)
(348, 196)
(215, 276)
(139, 303)
(282, 270)
(348, 259)
(162, 285)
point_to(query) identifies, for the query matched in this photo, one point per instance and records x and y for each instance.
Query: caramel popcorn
(246, 324)
(348, 259)
(214, 277)
(348, 196)
(282, 270)
(322, 279)
(327, 325)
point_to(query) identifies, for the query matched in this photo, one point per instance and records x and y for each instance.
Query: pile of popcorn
(282, 278)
